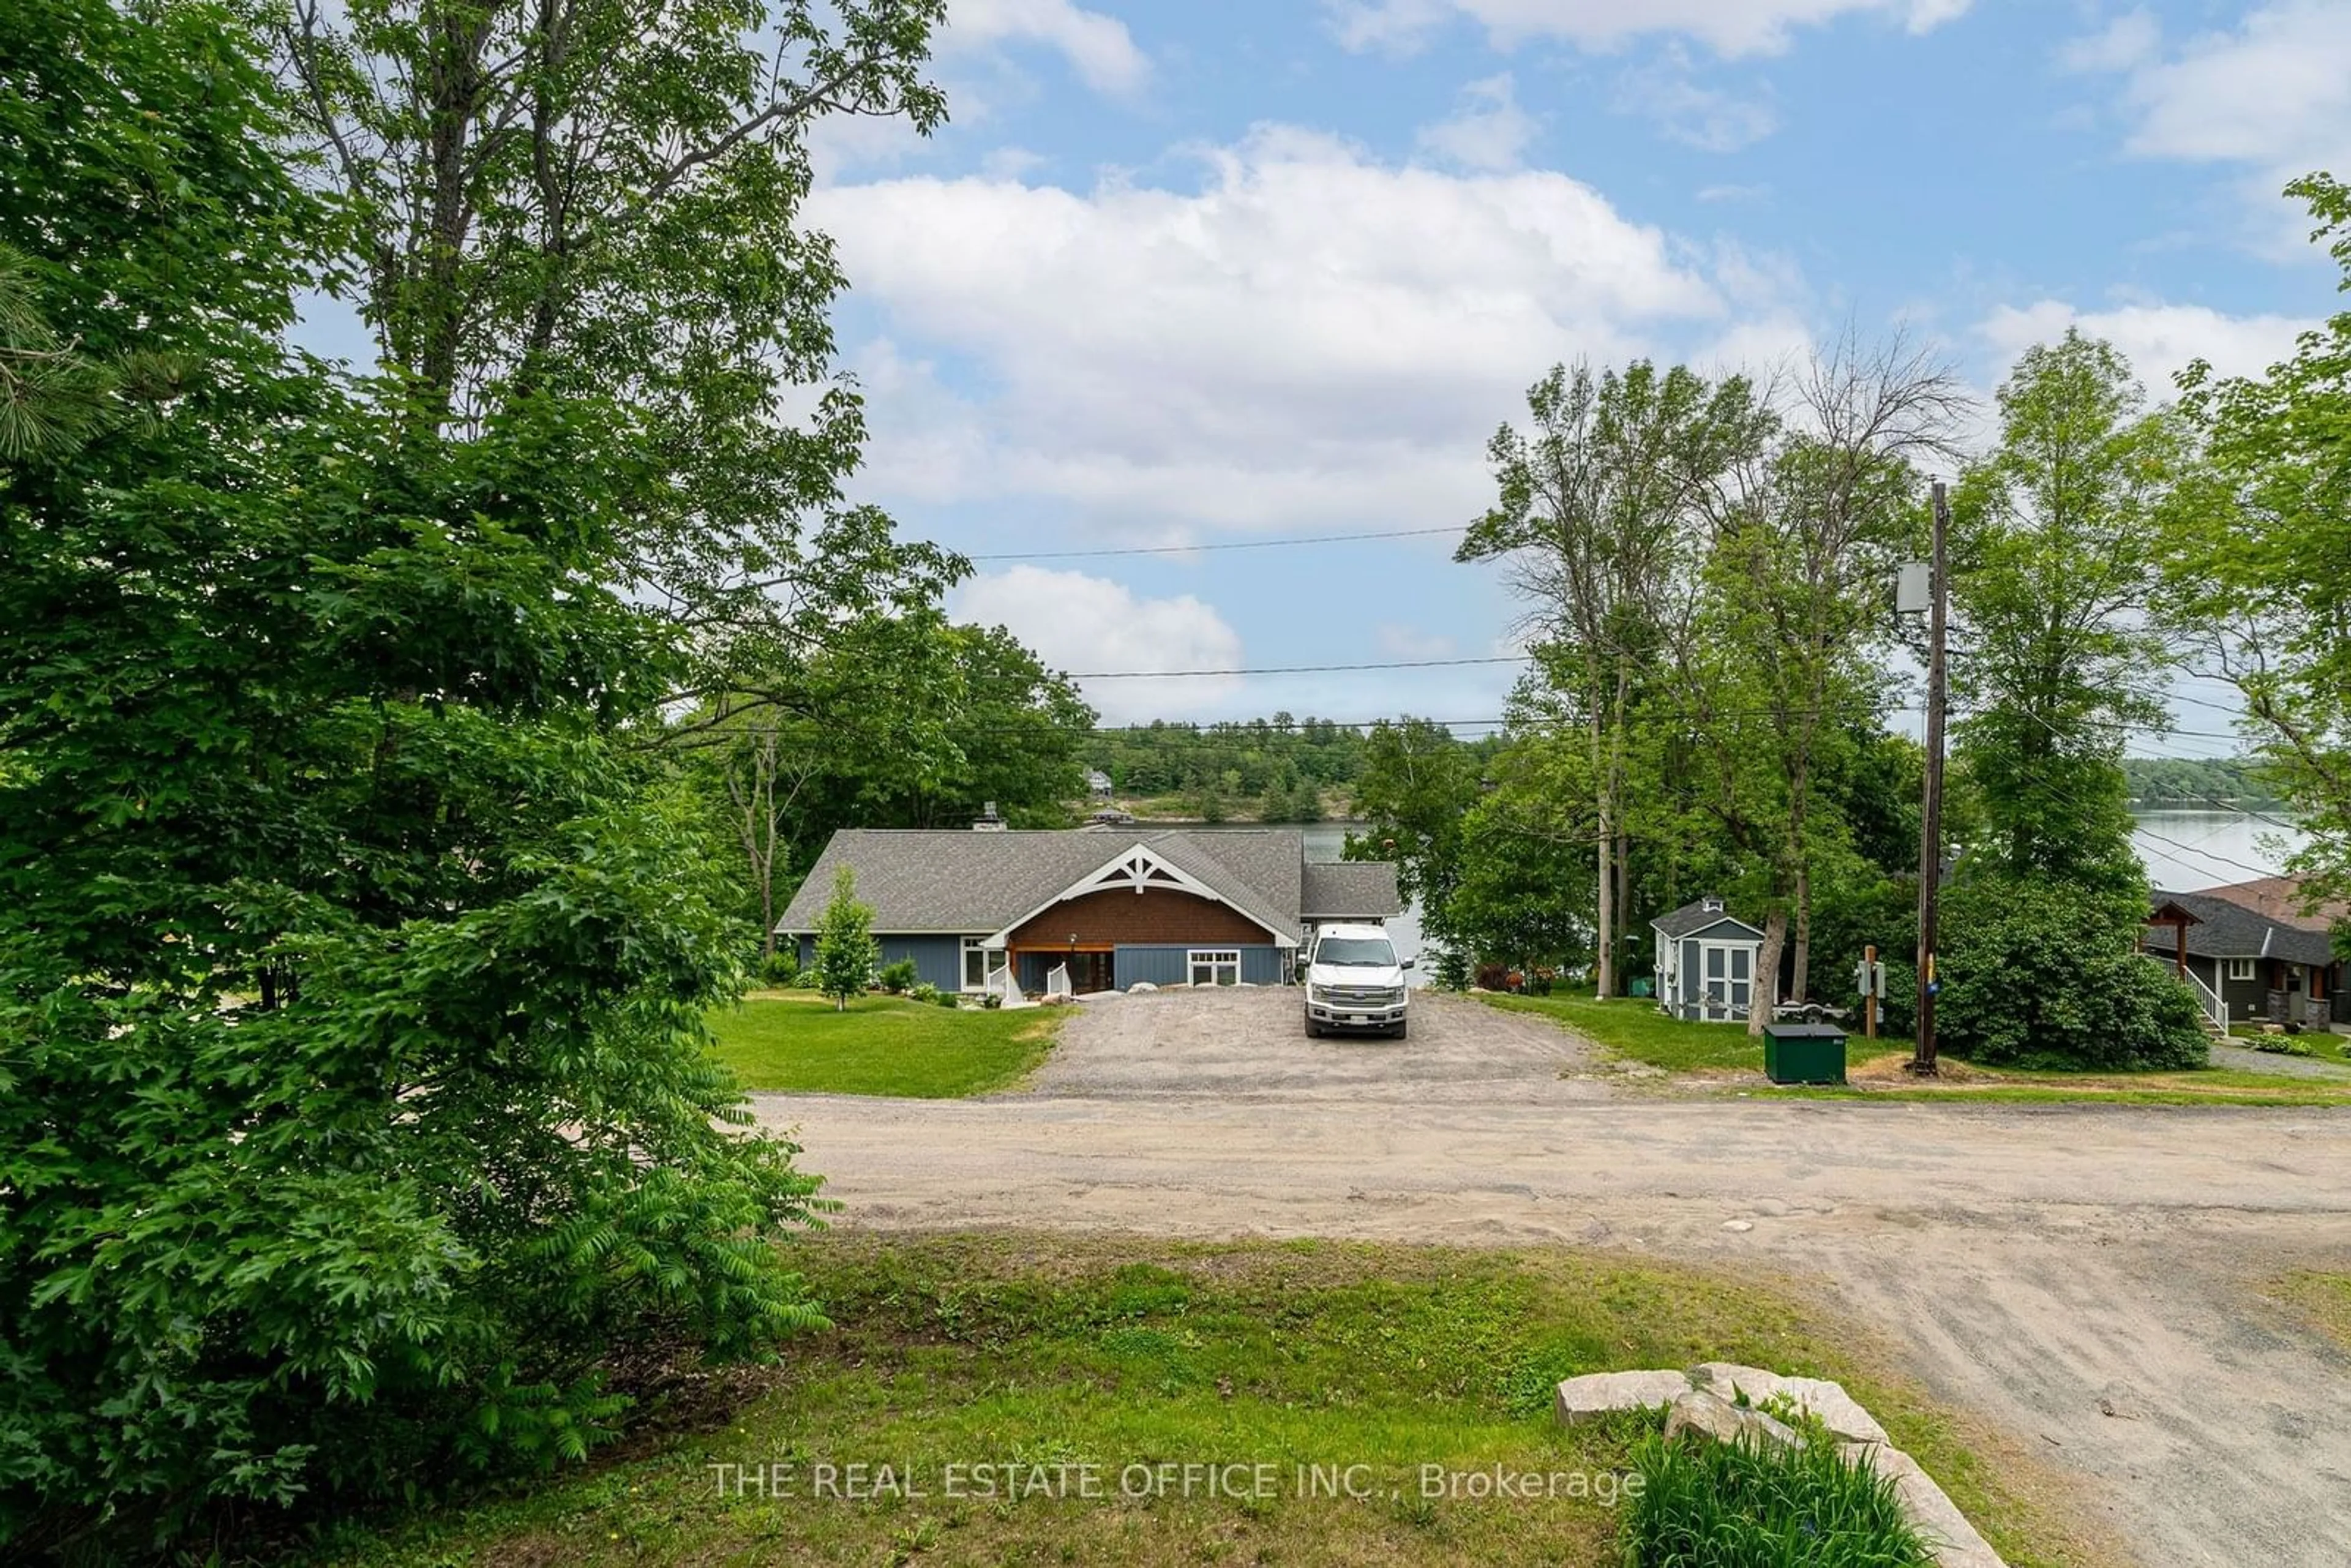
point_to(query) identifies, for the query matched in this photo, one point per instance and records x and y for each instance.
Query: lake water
(2184, 851)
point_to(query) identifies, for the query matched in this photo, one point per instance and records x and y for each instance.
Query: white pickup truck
(1354, 982)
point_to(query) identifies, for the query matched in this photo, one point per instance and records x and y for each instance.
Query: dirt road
(2083, 1275)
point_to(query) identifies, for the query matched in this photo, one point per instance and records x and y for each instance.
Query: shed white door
(1730, 980)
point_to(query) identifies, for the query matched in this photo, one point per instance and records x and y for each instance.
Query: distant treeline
(2188, 782)
(1275, 769)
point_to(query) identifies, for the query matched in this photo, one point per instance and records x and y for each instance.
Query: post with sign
(1872, 986)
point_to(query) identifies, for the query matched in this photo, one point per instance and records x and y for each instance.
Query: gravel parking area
(1246, 1043)
(2090, 1279)
(2245, 1059)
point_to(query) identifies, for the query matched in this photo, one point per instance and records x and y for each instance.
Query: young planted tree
(846, 953)
(1599, 506)
(2258, 560)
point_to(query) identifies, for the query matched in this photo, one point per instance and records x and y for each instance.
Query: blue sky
(1216, 271)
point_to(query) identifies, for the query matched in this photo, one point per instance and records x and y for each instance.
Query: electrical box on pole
(1913, 588)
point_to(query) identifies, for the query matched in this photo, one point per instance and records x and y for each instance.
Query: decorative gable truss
(1142, 871)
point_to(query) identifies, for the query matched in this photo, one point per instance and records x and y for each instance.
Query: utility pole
(1930, 828)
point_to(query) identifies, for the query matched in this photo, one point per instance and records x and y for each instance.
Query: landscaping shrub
(2043, 974)
(949, 999)
(920, 991)
(897, 978)
(781, 968)
(1704, 1504)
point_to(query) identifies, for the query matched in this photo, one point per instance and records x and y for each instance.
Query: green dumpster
(1803, 1053)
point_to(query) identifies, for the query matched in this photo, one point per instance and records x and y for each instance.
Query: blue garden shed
(1708, 961)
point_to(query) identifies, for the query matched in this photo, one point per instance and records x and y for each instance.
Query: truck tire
(1398, 1032)
(1313, 1029)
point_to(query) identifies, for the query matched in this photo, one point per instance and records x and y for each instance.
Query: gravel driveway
(2086, 1279)
(1246, 1043)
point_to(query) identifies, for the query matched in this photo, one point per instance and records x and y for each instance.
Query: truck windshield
(1357, 952)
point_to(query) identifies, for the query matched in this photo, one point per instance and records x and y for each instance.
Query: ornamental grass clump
(1704, 1504)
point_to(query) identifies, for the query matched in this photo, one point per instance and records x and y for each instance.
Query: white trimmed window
(2241, 969)
(1212, 966)
(978, 963)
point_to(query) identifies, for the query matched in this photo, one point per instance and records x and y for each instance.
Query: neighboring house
(2249, 946)
(1098, 783)
(1171, 907)
(1707, 963)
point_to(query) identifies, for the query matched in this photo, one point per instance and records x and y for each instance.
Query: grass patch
(879, 1045)
(1716, 1505)
(2324, 1299)
(1633, 1029)
(1058, 1357)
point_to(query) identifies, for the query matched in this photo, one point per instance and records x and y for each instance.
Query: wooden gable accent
(1151, 916)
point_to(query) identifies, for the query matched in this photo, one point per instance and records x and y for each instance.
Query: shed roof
(1693, 918)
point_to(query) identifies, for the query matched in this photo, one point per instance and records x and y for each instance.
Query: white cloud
(2271, 96)
(1310, 337)
(1709, 119)
(1490, 130)
(1098, 47)
(1727, 26)
(1078, 622)
(2159, 341)
(2129, 40)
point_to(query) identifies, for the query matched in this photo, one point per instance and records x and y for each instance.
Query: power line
(1299, 669)
(1229, 544)
(2200, 854)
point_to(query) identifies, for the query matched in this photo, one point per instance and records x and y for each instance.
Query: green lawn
(1067, 1359)
(880, 1045)
(1634, 1029)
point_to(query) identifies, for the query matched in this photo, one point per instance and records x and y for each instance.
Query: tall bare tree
(1596, 517)
(1809, 573)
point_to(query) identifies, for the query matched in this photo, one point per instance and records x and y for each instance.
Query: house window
(2241, 969)
(978, 963)
(1213, 966)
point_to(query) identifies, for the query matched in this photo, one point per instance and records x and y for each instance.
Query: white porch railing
(2206, 996)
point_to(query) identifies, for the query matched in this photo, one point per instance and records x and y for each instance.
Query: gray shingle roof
(1696, 916)
(1366, 888)
(973, 884)
(2230, 930)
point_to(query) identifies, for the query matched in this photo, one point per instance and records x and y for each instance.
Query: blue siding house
(1114, 905)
